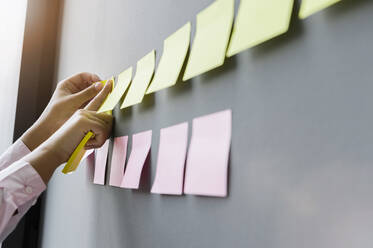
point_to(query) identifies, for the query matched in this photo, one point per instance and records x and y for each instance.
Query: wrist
(39, 132)
(44, 160)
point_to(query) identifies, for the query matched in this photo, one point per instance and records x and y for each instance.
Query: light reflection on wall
(12, 24)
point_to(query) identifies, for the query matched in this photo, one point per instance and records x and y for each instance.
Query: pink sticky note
(87, 154)
(118, 160)
(100, 164)
(90, 165)
(207, 163)
(141, 143)
(171, 160)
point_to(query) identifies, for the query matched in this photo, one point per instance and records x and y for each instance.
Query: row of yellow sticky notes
(256, 22)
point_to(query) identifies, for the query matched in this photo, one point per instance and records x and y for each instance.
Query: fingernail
(98, 86)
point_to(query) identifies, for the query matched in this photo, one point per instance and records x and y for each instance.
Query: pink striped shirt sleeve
(20, 186)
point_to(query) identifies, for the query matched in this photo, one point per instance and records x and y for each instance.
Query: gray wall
(301, 157)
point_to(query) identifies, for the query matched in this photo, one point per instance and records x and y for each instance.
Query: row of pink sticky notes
(206, 169)
(141, 143)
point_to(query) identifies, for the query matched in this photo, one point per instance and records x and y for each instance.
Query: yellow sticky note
(213, 29)
(79, 151)
(175, 48)
(77, 155)
(123, 81)
(259, 21)
(309, 7)
(144, 73)
(112, 87)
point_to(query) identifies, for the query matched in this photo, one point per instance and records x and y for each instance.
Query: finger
(86, 77)
(87, 94)
(100, 129)
(106, 122)
(95, 78)
(100, 117)
(96, 102)
(81, 80)
(92, 118)
(102, 133)
(96, 142)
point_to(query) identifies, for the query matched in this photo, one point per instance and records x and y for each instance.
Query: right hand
(58, 148)
(66, 139)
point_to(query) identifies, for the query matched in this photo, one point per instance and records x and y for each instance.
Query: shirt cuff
(14, 153)
(21, 184)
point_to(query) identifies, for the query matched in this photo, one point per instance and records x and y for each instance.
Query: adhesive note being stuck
(309, 7)
(77, 155)
(123, 81)
(118, 160)
(144, 73)
(100, 164)
(173, 143)
(259, 21)
(210, 43)
(175, 48)
(207, 162)
(141, 143)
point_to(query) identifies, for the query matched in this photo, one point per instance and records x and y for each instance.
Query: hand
(62, 143)
(70, 95)
(58, 148)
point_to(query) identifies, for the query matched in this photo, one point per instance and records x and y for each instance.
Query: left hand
(58, 148)
(70, 95)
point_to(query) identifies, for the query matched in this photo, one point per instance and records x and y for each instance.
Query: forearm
(44, 160)
(39, 132)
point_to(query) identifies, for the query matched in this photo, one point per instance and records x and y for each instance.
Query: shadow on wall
(181, 87)
(145, 178)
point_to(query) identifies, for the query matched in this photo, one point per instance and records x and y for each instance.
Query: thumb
(87, 94)
(95, 104)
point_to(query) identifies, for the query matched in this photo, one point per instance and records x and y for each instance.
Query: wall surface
(38, 62)
(301, 156)
(12, 26)
(33, 82)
